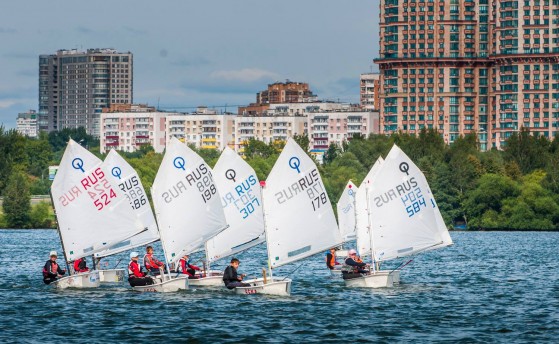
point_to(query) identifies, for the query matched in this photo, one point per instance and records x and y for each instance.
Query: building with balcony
(128, 131)
(267, 129)
(277, 93)
(369, 91)
(335, 127)
(75, 86)
(204, 129)
(464, 66)
(27, 123)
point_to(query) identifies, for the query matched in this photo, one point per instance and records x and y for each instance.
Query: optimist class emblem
(230, 174)
(295, 163)
(77, 164)
(179, 163)
(116, 172)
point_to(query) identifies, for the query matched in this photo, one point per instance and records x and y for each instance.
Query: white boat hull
(168, 286)
(111, 276)
(81, 280)
(379, 279)
(275, 286)
(210, 281)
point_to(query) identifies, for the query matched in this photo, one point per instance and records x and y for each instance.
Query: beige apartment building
(204, 129)
(267, 128)
(458, 67)
(369, 91)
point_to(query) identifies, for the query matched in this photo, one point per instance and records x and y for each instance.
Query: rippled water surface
(488, 287)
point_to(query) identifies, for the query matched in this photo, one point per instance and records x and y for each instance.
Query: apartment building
(325, 128)
(204, 129)
(464, 66)
(130, 127)
(27, 123)
(369, 91)
(75, 86)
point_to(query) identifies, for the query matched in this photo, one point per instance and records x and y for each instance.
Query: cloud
(4, 104)
(7, 30)
(244, 75)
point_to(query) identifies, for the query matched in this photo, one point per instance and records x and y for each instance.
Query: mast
(59, 233)
(162, 241)
(370, 225)
(263, 185)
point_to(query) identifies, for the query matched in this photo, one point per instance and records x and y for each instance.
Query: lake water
(488, 287)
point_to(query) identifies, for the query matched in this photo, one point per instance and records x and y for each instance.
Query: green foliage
(59, 139)
(40, 216)
(17, 199)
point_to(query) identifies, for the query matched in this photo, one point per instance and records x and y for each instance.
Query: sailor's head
(352, 253)
(333, 250)
(149, 249)
(134, 255)
(53, 255)
(185, 257)
(235, 262)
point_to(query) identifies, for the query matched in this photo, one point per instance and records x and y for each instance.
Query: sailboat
(187, 208)
(298, 218)
(241, 198)
(404, 218)
(128, 182)
(91, 213)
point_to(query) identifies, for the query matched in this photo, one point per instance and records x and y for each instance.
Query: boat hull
(167, 286)
(379, 279)
(210, 281)
(82, 280)
(274, 286)
(111, 275)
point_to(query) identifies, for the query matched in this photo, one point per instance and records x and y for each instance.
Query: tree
(17, 201)
(529, 152)
(331, 154)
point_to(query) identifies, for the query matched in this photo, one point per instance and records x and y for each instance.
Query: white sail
(346, 212)
(299, 218)
(92, 212)
(362, 215)
(127, 180)
(186, 201)
(404, 212)
(241, 197)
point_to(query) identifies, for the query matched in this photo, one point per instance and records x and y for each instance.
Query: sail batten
(299, 217)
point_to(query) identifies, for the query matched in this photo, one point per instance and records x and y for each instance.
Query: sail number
(249, 208)
(133, 192)
(98, 188)
(413, 201)
(206, 187)
(317, 195)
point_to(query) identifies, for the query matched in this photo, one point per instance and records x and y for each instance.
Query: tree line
(516, 188)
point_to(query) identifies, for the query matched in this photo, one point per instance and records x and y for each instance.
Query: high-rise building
(75, 86)
(369, 93)
(27, 124)
(525, 68)
(465, 66)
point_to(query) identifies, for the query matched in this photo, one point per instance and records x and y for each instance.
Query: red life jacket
(53, 268)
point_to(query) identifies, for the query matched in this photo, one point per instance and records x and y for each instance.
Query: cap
(352, 251)
(53, 253)
(134, 255)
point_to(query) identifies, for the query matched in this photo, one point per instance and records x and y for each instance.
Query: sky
(217, 53)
